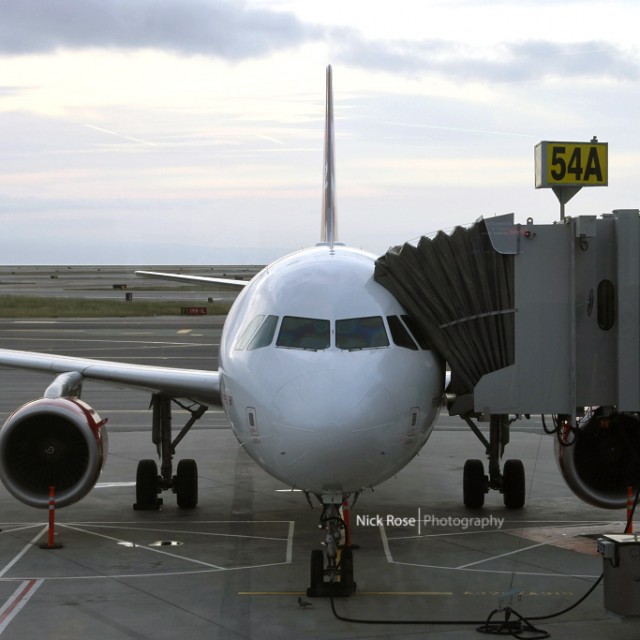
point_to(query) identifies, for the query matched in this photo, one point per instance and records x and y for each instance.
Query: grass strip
(37, 307)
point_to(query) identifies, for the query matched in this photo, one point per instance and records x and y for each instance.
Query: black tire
(346, 568)
(147, 484)
(317, 567)
(187, 484)
(513, 484)
(473, 484)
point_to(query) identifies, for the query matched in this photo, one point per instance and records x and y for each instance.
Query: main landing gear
(150, 483)
(511, 482)
(332, 568)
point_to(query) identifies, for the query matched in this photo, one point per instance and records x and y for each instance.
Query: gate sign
(571, 164)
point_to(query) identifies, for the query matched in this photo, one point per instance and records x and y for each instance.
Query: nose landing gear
(332, 568)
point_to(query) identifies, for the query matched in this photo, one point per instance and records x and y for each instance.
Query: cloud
(234, 30)
(7, 91)
(503, 62)
(219, 28)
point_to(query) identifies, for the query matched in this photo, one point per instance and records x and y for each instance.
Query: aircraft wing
(193, 384)
(192, 279)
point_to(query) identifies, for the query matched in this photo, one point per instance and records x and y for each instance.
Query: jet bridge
(538, 319)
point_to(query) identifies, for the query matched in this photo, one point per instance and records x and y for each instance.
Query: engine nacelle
(604, 460)
(60, 443)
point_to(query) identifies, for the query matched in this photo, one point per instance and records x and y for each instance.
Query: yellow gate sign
(571, 164)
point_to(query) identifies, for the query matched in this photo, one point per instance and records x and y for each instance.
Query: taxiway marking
(17, 601)
(360, 593)
(21, 595)
(501, 555)
(28, 546)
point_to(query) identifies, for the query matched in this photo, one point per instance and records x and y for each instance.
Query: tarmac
(236, 566)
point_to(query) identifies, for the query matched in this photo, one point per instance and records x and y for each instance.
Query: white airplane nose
(331, 401)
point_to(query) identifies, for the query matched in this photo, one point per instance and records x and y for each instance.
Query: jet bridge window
(304, 333)
(361, 333)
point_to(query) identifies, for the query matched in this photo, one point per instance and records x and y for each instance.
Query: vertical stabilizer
(329, 231)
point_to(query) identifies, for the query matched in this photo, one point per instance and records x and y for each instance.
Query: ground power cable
(514, 624)
(519, 627)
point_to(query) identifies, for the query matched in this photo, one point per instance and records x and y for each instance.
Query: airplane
(327, 384)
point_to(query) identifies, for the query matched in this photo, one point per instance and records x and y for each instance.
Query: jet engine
(52, 442)
(603, 459)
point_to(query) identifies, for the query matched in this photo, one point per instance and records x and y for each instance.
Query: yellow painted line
(272, 593)
(405, 593)
(360, 593)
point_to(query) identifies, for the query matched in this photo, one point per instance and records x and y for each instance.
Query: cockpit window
(361, 333)
(249, 332)
(400, 335)
(303, 333)
(264, 335)
(421, 338)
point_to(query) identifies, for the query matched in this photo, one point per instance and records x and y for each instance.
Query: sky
(153, 132)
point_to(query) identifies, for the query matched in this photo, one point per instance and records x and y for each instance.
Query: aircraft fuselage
(323, 382)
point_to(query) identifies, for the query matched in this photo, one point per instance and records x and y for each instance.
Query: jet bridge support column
(627, 238)
(498, 438)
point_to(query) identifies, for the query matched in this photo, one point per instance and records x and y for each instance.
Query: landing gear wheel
(343, 587)
(317, 569)
(346, 570)
(513, 484)
(473, 484)
(147, 486)
(186, 485)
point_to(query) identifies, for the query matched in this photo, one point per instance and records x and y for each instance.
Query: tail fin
(329, 231)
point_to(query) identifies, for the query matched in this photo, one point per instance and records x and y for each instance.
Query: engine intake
(604, 460)
(57, 442)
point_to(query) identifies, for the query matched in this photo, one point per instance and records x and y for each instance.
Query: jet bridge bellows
(531, 318)
(459, 288)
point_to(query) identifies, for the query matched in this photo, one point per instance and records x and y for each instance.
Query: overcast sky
(190, 131)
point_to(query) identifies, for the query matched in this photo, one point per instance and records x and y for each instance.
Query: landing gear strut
(149, 484)
(331, 569)
(511, 482)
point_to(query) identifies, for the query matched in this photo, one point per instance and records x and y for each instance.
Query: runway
(235, 566)
(114, 282)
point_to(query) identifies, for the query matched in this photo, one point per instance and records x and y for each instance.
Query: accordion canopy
(459, 289)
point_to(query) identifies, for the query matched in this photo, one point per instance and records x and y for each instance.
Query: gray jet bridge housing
(530, 318)
(537, 319)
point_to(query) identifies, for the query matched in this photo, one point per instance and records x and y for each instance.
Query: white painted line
(26, 548)
(13, 527)
(502, 555)
(292, 525)
(385, 545)
(16, 602)
(147, 548)
(110, 485)
(166, 530)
